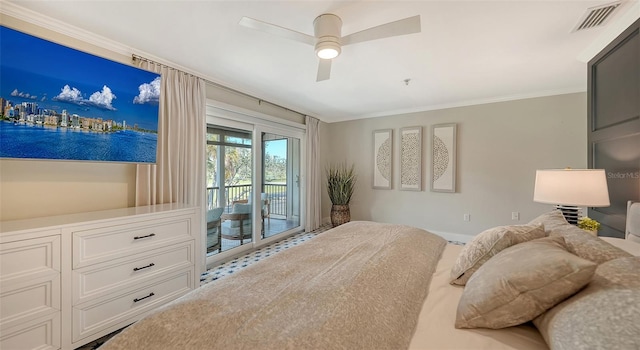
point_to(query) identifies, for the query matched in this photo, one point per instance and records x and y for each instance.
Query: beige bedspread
(358, 286)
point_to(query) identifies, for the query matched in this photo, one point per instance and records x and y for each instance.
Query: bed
(366, 285)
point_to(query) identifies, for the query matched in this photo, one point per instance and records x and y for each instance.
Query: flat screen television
(64, 104)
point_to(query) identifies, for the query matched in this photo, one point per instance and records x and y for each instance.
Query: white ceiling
(468, 52)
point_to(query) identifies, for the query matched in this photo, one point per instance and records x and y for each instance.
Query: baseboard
(449, 236)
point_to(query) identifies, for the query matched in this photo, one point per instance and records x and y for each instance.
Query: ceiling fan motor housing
(327, 29)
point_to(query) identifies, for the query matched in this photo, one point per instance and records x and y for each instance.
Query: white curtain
(314, 187)
(179, 172)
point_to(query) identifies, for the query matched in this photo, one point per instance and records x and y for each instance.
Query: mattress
(630, 247)
(435, 329)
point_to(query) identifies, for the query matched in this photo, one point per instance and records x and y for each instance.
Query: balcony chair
(237, 224)
(214, 240)
(266, 208)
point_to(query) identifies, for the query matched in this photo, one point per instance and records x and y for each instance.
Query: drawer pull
(144, 267)
(147, 236)
(143, 298)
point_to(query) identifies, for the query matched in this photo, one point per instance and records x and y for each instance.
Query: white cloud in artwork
(16, 93)
(69, 94)
(149, 92)
(103, 99)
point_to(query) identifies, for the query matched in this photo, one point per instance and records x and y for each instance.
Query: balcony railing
(276, 193)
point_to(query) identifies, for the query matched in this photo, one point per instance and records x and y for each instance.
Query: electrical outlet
(467, 217)
(515, 215)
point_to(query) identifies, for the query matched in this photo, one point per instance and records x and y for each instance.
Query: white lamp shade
(578, 187)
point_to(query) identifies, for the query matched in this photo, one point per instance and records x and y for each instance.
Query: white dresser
(68, 280)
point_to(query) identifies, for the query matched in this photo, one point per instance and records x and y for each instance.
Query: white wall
(500, 145)
(35, 188)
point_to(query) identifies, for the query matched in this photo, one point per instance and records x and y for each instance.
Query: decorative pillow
(520, 283)
(604, 315)
(487, 244)
(579, 241)
(240, 208)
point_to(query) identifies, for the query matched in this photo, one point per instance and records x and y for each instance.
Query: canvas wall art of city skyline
(60, 103)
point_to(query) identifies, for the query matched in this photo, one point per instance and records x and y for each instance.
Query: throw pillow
(487, 244)
(579, 241)
(520, 283)
(604, 315)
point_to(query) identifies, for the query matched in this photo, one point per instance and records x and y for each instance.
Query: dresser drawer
(25, 301)
(91, 319)
(26, 260)
(103, 244)
(107, 278)
(42, 334)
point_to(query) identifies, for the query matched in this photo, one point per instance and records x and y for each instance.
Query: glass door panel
(281, 184)
(229, 188)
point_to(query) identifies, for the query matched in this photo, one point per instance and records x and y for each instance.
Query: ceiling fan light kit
(328, 39)
(327, 29)
(328, 50)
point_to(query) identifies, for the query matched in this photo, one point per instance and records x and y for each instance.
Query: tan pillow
(604, 315)
(520, 283)
(487, 244)
(579, 241)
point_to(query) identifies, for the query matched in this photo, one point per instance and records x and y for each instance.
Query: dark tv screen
(64, 104)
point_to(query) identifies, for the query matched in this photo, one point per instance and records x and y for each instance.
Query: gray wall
(500, 146)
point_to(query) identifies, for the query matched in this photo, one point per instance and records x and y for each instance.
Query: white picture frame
(411, 158)
(382, 159)
(443, 157)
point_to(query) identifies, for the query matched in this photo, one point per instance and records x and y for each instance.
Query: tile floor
(236, 264)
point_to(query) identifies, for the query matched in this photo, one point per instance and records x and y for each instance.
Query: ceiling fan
(328, 39)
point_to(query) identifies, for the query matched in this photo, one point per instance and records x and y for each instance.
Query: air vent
(596, 16)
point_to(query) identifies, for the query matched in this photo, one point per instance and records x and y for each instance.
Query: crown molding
(60, 27)
(40, 20)
(476, 102)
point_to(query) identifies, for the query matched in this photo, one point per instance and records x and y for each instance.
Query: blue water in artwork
(47, 142)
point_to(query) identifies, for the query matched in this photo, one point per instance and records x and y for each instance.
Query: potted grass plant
(341, 182)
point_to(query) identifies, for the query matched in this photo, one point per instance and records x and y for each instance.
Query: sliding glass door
(281, 183)
(255, 187)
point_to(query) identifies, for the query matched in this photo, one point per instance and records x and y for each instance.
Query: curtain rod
(135, 57)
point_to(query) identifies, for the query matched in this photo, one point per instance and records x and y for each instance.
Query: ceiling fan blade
(277, 30)
(401, 27)
(324, 70)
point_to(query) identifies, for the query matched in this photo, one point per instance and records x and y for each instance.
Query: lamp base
(571, 213)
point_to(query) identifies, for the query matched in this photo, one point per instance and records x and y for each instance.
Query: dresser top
(70, 219)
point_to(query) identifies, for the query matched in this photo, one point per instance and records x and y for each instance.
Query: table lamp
(570, 188)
